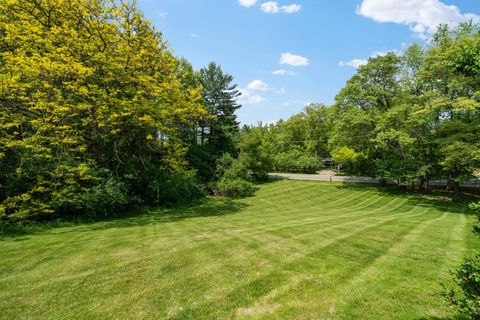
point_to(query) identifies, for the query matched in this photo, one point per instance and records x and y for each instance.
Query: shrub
(348, 158)
(231, 168)
(161, 187)
(76, 191)
(296, 161)
(234, 177)
(467, 277)
(235, 188)
(107, 198)
(308, 164)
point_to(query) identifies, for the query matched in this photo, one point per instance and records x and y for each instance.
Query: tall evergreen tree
(220, 98)
(218, 131)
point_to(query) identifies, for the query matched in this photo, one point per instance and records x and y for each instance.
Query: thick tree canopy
(89, 93)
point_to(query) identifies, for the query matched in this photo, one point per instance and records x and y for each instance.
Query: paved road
(320, 177)
(323, 177)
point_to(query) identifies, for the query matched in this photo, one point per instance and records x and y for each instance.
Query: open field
(296, 250)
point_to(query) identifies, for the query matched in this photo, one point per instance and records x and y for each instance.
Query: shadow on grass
(206, 207)
(458, 317)
(203, 208)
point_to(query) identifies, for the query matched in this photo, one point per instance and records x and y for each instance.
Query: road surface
(332, 178)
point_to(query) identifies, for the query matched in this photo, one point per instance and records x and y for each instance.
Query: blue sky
(316, 44)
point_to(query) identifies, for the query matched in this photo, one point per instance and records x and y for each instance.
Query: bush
(349, 159)
(467, 277)
(161, 187)
(232, 169)
(107, 198)
(103, 199)
(235, 188)
(234, 177)
(308, 164)
(296, 161)
(77, 191)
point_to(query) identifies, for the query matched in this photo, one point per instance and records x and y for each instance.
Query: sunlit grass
(297, 250)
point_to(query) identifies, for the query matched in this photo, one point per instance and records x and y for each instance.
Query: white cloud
(297, 103)
(247, 3)
(383, 53)
(193, 35)
(422, 16)
(248, 98)
(281, 91)
(273, 7)
(292, 8)
(160, 13)
(269, 122)
(258, 85)
(283, 72)
(293, 60)
(355, 63)
(269, 7)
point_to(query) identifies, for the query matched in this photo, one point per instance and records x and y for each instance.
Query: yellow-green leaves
(86, 85)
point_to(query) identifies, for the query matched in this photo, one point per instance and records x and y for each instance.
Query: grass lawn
(296, 250)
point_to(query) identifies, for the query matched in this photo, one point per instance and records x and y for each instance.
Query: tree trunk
(383, 182)
(421, 187)
(424, 184)
(456, 189)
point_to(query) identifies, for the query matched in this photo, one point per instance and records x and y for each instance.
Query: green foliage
(375, 86)
(476, 227)
(231, 168)
(216, 134)
(235, 188)
(467, 278)
(257, 148)
(220, 100)
(160, 186)
(296, 161)
(107, 197)
(347, 157)
(295, 145)
(89, 92)
(235, 179)
(92, 101)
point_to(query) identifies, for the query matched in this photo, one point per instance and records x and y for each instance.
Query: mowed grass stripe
(316, 261)
(300, 306)
(317, 219)
(254, 232)
(401, 266)
(290, 252)
(316, 208)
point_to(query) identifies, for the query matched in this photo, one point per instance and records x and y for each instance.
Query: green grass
(296, 250)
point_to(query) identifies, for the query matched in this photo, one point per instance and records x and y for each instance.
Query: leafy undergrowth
(296, 250)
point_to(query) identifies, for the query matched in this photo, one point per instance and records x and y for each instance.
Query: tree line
(97, 114)
(410, 117)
